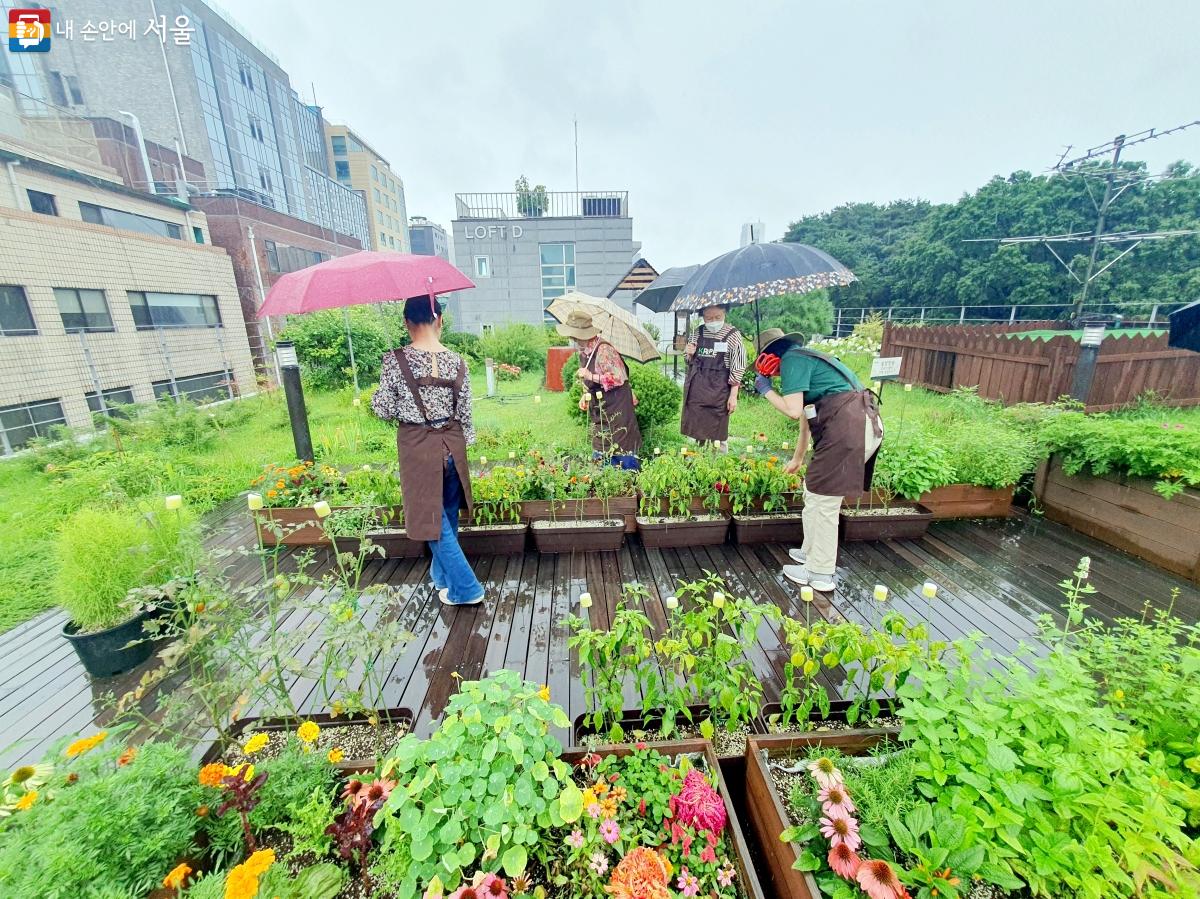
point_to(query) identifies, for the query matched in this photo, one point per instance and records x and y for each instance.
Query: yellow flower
(255, 744)
(27, 801)
(589, 797)
(211, 775)
(258, 863)
(86, 744)
(1119, 695)
(308, 732)
(335, 755)
(178, 875)
(544, 692)
(608, 807)
(247, 773)
(241, 884)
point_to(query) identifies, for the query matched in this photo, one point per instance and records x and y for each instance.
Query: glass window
(378, 197)
(374, 173)
(112, 406)
(83, 310)
(173, 310)
(558, 270)
(342, 169)
(355, 146)
(20, 424)
(213, 385)
(282, 259)
(15, 318)
(483, 266)
(76, 93)
(128, 221)
(42, 202)
(339, 144)
(197, 234)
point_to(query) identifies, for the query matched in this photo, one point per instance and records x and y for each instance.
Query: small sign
(885, 368)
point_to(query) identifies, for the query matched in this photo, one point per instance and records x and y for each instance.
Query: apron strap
(413, 384)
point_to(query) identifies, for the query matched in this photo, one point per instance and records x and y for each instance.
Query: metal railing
(1151, 316)
(545, 204)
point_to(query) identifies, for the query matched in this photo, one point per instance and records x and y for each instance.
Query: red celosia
(698, 804)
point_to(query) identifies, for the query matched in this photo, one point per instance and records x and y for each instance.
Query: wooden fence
(1021, 370)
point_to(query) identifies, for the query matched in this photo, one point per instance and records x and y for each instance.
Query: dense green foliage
(914, 253)
(659, 398)
(518, 344)
(810, 314)
(321, 345)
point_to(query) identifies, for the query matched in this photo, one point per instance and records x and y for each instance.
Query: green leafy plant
(322, 348)
(659, 398)
(608, 657)
(913, 466)
(498, 493)
(516, 344)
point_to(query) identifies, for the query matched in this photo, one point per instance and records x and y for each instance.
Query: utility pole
(577, 155)
(1102, 212)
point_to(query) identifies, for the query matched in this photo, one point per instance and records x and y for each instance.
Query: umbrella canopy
(1185, 328)
(661, 292)
(758, 271)
(618, 326)
(366, 277)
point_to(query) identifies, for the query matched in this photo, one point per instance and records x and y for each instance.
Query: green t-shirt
(816, 378)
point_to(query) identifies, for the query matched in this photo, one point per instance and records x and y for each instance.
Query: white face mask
(714, 327)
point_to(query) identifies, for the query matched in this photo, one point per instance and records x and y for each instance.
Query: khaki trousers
(820, 519)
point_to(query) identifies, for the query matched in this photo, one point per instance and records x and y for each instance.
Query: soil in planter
(357, 741)
(690, 519)
(880, 511)
(601, 523)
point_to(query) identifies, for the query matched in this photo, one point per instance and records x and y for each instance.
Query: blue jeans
(450, 567)
(628, 462)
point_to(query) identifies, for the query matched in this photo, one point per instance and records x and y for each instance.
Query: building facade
(203, 86)
(428, 238)
(108, 297)
(524, 250)
(360, 168)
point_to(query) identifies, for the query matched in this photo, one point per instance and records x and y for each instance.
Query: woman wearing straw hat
(607, 397)
(830, 402)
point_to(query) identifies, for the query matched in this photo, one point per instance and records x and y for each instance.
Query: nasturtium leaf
(570, 803)
(514, 860)
(409, 819)
(421, 849)
(540, 770)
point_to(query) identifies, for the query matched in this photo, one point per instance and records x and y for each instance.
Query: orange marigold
(241, 883)
(178, 875)
(87, 744)
(641, 874)
(258, 863)
(26, 802)
(211, 774)
(127, 756)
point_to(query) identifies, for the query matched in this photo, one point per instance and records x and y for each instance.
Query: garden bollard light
(881, 592)
(537, 397)
(254, 501)
(585, 600)
(908, 388)
(174, 501)
(806, 593)
(671, 602)
(289, 367)
(930, 590)
(322, 508)
(718, 600)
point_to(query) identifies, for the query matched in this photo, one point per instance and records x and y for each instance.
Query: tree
(532, 202)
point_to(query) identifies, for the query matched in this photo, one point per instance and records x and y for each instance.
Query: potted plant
(103, 554)
(497, 528)
(880, 517)
(574, 484)
(545, 496)
(669, 487)
(766, 502)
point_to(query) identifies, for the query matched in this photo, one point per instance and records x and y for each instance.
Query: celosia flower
(212, 774)
(26, 802)
(575, 839)
(178, 875)
(610, 831)
(879, 881)
(844, 861)
(698, 804)
(255, 744)
(641, 874)
(707, 855)
(836, 801)
(335, 755)
(725, 876)
(599, 863)
(308, 732)
(840, 829)
(687, 882)
(825, 772)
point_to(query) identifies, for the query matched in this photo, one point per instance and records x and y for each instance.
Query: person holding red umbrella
(426, 389)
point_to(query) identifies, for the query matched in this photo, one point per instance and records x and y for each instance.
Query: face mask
(714, 327)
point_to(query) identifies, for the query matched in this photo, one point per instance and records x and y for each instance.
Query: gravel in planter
(880, 511)
(357, 741)
(676, 519)
(831, 724)
(546, 525)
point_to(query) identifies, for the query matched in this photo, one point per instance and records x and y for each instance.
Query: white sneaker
(798, 574)
(444, 596)
(797, 555)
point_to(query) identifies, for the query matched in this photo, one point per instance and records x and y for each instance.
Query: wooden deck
(994, 577)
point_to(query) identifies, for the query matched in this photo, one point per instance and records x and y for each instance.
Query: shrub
(180, 424)
(659, 398)
(464, 343)
(320, 339)
(911, 465)
(810, 314)
(517, 344)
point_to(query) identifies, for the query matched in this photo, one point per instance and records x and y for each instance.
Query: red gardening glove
(767, 364)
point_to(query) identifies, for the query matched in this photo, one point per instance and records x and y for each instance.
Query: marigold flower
(335, 755)
(255, 744)
(178, 875)
(202, 811)
(212, 774)
(127, 756)
(241, 884)
(258, 863)
(308, 731)
(26, 802)
(271, 494)
(86, 744)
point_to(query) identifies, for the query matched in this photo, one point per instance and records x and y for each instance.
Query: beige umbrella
(618, 326)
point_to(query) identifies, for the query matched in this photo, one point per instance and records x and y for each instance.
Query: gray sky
(713, 114)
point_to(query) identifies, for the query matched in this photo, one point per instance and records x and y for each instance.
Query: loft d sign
(483, 232)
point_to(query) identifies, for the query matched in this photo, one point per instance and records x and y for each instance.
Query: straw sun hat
(771, 335)
(578, 325)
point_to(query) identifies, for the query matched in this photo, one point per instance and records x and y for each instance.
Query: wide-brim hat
(772, 335)
(578, 325)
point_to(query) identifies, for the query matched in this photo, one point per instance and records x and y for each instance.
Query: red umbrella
(365, 277)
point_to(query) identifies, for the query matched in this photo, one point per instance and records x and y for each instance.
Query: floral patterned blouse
(608, 367)
(393, 401)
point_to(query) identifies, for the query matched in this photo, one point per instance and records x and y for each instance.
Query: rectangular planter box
(394, 546)
(632, 720)
(774, 527)
(624, 507)
(1126, 513)
(324, 719)
(768, 815)
(493, 539)
(302, 527)
(588, 536)
(907, 521)
(838, 709)
(695, 507)
(747, 876)
(676, 532)
(968, 501)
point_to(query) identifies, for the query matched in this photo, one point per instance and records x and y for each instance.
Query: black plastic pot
(107, 653)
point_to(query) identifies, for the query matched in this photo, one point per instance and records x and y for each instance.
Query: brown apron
(839, 444)
(706, 389)
(423, 450)
(612, 417)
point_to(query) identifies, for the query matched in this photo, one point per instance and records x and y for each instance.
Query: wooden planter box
(660, 508)
(905, 521)
(302, 527)
(768, 814)
(1126, 513)
(838, 710)
(324, 719)
(633, 720)
(599, 535)
(747, 876)
(624, 507)
(395, 545)
(493, 539)
(671, 533)
(968, 501)
(769, 527)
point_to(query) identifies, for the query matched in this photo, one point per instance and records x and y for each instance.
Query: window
(483, 266)
(558, 270)
(342, 169)
(245, 75)
(76, 93)
(264, 180)
(256, 129)
(374, 173)
(15, 318)
(210, 386)
(42, 203)
(282, 259)
(197, 234)
(339, 144)
(352, 142)
(83, 310)
(114, 399)
(173, 310)
(58, 88)
(128, 221)
(20, 424)
(378, 197)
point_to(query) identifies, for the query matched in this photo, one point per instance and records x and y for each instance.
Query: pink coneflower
(725, 876)
(844, 861)
(835, 800)
(575, 840)
(610, 831)
(687, 883)
(492, 887)
(465, 892)
(825, 772)
(839, 829)
(599, 863)
(879, 881)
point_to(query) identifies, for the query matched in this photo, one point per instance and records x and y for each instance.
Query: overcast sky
(714, 114)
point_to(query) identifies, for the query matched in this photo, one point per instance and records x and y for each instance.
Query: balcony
(547, 204)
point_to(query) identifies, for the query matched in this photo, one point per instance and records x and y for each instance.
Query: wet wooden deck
(994, 577)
